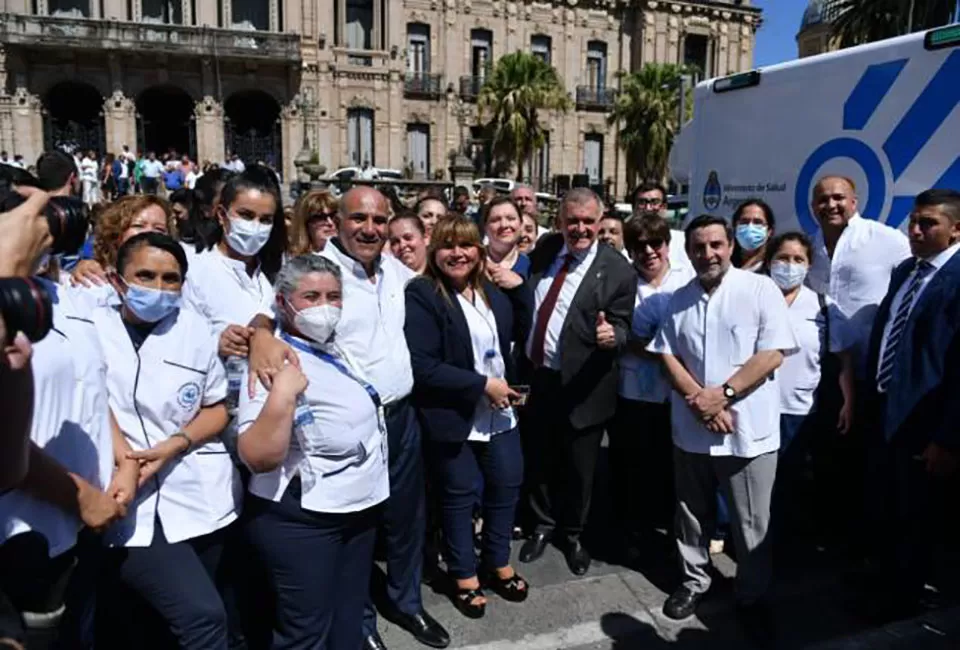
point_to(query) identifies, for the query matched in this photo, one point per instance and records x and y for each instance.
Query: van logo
(908, 138)
(188, 395)
(712, 192)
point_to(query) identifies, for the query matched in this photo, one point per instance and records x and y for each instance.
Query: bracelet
(182, 434)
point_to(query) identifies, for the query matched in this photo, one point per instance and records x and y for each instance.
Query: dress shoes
(374, 642)
(682, 604)
(423, 627)
(532, 549)
(577, 558)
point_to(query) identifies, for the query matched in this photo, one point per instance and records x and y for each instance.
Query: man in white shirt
(89, 176)
(152, 171)
(370, 334)
(724, 335)
(914, 370)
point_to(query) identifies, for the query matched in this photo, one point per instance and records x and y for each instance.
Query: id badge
(382, 424)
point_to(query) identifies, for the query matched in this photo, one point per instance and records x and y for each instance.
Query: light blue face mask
(150, 305)
(751, 236)
(787, 275)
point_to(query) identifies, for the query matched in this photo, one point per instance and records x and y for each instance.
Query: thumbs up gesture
(606, 336)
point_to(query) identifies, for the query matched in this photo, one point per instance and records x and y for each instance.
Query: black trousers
(641, 466)
(561, 461)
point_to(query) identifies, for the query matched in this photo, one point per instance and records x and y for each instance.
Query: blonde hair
(308, 205)
(452, 231)
(116, 218)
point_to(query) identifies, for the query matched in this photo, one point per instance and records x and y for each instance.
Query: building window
(163, 11)
(359, 25)
(360, 136)
(418, 149)
(69, 8)
(540, 46)
(593, 158)
(538, 165)
(418, 48)
(481, 53)
(597, 64)
(696, 54)
(251, 13)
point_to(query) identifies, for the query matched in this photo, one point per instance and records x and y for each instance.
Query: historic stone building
(389, 82)
(816, 28)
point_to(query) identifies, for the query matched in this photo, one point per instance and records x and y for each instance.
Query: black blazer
(589, 375)
(446, 388)
(921, 398)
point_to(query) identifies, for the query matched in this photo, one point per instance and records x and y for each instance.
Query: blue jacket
(922, 396)
(446, 388)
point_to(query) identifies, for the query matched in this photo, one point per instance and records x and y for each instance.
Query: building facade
(816, 28)
(392, 83)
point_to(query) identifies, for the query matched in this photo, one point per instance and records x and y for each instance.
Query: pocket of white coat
(743, 343)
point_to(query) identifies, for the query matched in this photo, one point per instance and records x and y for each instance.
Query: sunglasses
(653, 243)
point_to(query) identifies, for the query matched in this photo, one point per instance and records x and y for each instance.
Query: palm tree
(865, 21)
(647, 109)
(520, 86)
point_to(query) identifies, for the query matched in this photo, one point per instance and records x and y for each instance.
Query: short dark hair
(460, 190)
(648, 226)
(497, 201)
(777, 242)
(648, 186)
(947, 200)
(705, 221)
(54, 169)
(154, 240)
(764, 207)
(409, 215)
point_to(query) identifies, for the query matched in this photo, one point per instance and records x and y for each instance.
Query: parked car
(339, 181)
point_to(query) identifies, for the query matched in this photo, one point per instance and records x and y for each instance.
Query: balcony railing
(470, 86)
(85, 34)
(423, 84)
(595, 98)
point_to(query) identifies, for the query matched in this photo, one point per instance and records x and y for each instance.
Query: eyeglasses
(654, 243)
(646, 203)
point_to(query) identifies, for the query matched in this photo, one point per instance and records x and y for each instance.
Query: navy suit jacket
(923, 396)
(446, 388)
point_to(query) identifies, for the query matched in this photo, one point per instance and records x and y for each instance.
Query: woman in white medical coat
(166, 387)
(316, 443)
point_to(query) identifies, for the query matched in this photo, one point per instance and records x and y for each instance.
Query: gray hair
(581, 196)
(292, 272)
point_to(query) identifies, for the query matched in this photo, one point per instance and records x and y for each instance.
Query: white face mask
(248, 237)
(317, 323)
(786, 275)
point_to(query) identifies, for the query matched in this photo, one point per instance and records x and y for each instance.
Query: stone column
(27, 122)
(120, 122)
(291, 137)
(227, 13)
(210, 136)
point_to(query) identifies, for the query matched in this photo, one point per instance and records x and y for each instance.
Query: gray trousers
(747, 485)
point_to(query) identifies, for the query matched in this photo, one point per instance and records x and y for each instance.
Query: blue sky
(776, 39)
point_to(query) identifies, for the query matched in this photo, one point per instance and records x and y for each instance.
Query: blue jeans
(460, 467)
(320, 567)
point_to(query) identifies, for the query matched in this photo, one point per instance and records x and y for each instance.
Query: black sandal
(463, 600)
(514, 589)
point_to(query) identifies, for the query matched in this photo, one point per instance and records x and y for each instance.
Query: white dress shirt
(220, 289)
(370, 330)
(714, 336)
(936, 263)
(71, 420)
(643, 379)
(858, 276)
(799, 375)
(154, 392)
(678, 250)
(575, 274)
(487, 361)
(348, 469)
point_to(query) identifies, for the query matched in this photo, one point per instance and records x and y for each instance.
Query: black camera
(26, 307)
(67, 216)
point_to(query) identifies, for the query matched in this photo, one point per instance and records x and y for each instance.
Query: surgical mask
(317, 323)
(751, 236)
(150, 305)
(786, 275)
(248, 237)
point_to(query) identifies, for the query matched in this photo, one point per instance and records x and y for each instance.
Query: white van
(886, 114)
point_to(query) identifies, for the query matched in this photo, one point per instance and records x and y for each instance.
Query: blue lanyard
(336, 363)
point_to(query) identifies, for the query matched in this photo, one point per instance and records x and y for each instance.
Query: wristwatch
(183, 434)
(729, 392)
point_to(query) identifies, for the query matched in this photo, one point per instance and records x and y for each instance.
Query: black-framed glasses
(646, 203)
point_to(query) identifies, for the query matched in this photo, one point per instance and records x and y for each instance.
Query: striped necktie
(900, 324)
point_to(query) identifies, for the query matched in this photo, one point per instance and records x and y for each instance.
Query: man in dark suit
(584, 294)
(914, 363)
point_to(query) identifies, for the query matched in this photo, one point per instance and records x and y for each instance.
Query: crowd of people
(235, 404)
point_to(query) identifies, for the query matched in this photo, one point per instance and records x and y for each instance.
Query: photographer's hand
(24, 234)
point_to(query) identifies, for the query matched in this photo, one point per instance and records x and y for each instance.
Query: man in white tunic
(724, 335)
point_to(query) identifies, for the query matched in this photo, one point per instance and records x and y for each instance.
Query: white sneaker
(716, 546)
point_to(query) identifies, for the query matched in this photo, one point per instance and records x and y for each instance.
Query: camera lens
(26, 307)
(68, 222)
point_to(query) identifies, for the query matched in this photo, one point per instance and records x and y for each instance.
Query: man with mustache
(724, 334)
(583, 304)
